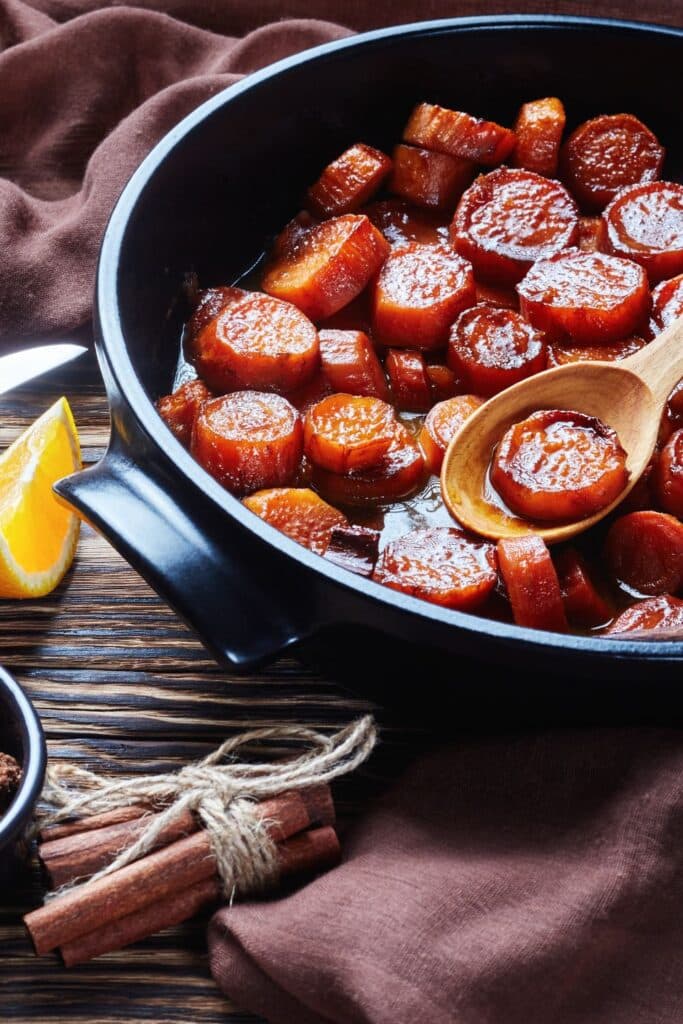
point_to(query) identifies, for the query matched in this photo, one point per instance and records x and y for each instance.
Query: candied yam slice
(559, 465)
(429, 179)
(668, 475)
(355, 548)
(407, 373)
(539, 127)
(459, 134)
(349, 181)
(590, 297)
(561, 353)
(399, 474)
(645, 224)
(180, 410)
(441, 425)
(644, 551)
(249, 440)
(331, 266)
(401, 222)
(667, 302)
(210, 302)
(592, 234)
(531, 583)
(443, 382)
(508, 219)
(607, 153)
(442, 565)
(419, 293)
(256, 342)
(351, 365)
(344, 433)
(654, 614)
(583, 603)
(300, 513)
(490, 349)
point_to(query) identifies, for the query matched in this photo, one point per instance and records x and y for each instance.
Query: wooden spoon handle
(660, 364)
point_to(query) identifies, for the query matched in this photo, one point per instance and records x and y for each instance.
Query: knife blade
(19, 367)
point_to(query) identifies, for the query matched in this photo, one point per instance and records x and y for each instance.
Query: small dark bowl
(21, 735)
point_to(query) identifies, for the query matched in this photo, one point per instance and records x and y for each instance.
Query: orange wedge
(38, 536)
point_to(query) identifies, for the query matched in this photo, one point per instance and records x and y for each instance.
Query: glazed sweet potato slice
(531, 583)
(401, 222)
(539, 127)
(419, 293)
(249, 440)
(441, 425)
(355, 548)
(585, 607)
(442, 565)
(607, 153)
(349, 181)
(510, 218)
(667, 302)
(654, 614)
(433, 180)
(459, 134)
(210, 302)
(300, 513)
(668, 475)
(350, 364)
(180, 410)
(645, 224)
(256, 342)
(644, 551)
(346, 433)
(442, 382)
(331, 265)
(591, 298)
(559, 465)
(490, 349)
(399, 474)
(407, 372)
(561, 353)
(592, 234)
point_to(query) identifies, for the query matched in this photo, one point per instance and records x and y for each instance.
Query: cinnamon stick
(308, 851)
(91, 822)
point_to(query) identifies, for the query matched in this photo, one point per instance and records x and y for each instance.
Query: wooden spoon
(628, 396)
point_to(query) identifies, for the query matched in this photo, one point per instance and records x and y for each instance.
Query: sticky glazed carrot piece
(645, 224)
(591, 298)
(292, 235)
(496, 295)
(441, 425)
(329, 267)
(654, 614)
(509, 219)
(180, 410)
(442, 382)
(442, 565)
(584, 605)
(644, 551)
(401, 222)
(346, 433)
(210, 303)
(668, 475)
(249, 440)
(490, 349)
(559, 465)
(561, 353)
(539, 127)
(400, 473)
(349, 181)
(592, 234)
(667, 302)
(459, 134)
(607, 153)
(407, 372)
(419, 293)
(300, 513)
(256, 342)
(429, 179)
(531, 583)
(351, 365)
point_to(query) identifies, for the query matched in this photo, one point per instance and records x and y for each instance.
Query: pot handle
(232, 591)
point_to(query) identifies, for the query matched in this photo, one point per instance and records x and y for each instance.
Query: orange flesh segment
(347, 433)
(349, 181)
(531, 583)
(300, 513)
(458, 134)
(539, 127)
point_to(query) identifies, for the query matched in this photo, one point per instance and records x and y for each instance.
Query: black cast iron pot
(218, 185)
(21, 735)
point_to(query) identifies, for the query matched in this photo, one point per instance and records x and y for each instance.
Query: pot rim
(113, 352)
(34, 758)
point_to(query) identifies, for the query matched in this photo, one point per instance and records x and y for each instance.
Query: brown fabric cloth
(519, 881)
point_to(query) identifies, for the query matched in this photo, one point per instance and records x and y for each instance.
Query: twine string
(222, 795)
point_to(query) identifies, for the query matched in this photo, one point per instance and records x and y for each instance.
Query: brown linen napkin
(510, 881)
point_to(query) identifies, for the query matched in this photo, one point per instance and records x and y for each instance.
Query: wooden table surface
(123, 687)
